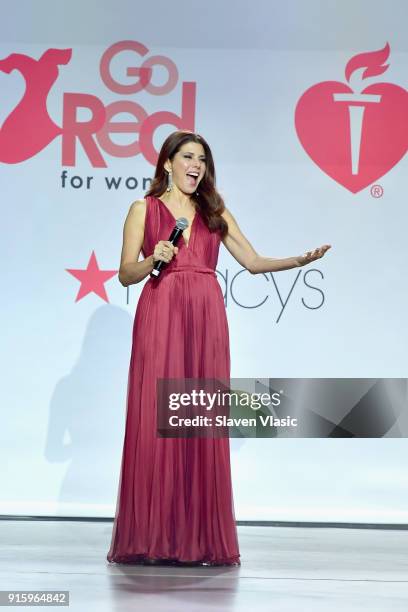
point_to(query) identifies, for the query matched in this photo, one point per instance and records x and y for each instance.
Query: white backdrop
(64, 362)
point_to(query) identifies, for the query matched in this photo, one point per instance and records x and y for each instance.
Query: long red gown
(175, 499)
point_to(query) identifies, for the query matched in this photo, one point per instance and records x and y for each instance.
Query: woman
(175, 501)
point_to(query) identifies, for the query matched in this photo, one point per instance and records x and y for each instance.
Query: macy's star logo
(92, 279)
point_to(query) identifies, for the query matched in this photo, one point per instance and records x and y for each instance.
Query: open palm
(313, 255)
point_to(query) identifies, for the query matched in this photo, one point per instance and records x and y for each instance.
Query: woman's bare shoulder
(138, 206)
(228, 216)
(137, 210)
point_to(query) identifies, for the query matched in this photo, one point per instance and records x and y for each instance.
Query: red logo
(29, 128)
(355, 134)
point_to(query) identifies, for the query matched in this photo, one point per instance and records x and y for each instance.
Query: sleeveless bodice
(203, 245)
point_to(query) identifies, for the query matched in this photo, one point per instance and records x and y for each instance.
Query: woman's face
(188, 167)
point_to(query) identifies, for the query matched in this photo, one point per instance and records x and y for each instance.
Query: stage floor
(283, 569)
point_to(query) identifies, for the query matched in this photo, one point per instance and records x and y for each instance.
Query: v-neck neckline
(186, 244)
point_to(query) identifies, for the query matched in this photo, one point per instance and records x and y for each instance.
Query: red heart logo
(354, 138)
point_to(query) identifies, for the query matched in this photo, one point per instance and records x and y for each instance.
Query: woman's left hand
(302, 260)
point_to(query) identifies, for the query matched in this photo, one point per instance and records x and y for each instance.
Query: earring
(169, 181)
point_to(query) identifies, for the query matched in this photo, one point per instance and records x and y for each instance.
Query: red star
(92, 279)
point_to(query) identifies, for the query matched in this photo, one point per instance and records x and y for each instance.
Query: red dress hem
(145, 559)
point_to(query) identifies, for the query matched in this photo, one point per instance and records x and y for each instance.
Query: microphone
(179, 228)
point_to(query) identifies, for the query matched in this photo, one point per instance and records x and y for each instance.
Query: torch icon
(356, 107)
(361, 66)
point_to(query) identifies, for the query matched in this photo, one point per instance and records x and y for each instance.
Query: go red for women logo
(28, 129)
(354, 133)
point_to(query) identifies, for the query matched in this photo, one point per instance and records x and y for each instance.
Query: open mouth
(192, 178)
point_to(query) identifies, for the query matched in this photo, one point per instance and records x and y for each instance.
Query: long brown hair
(209, 202)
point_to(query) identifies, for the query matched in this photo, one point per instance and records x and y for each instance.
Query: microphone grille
(182, 223)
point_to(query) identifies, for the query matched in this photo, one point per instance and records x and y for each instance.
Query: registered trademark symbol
(377, 191)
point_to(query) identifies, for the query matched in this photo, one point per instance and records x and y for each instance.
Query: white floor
(283, 569)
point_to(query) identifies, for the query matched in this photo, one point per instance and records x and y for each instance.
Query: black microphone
(179, 228)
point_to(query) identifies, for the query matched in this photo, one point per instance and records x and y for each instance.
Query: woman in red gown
(175, 501)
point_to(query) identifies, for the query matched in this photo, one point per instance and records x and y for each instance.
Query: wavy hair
(209, 202)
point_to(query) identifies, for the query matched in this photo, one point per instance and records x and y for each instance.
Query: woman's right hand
(164, 251)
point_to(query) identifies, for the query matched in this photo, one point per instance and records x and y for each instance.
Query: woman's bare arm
(131, 270)
(243, 251)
